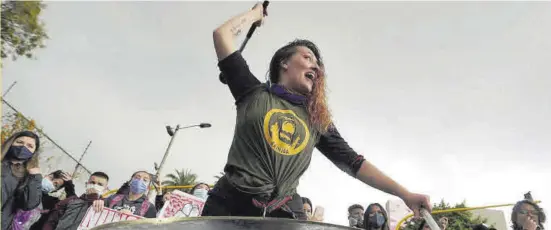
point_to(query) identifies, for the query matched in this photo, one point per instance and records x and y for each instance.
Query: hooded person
(68, 213)
(21, 178)
(133, 202)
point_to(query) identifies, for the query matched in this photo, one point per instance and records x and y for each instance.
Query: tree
(456, 220)
(182, 177)
(14, 122)
(22, 29)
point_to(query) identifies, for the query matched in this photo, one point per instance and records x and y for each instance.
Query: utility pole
(9, 88)
(79, 160)
(45, 135)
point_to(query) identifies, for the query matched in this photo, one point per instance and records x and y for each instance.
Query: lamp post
(172, 132)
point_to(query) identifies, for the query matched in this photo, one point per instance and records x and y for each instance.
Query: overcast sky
(450, 99)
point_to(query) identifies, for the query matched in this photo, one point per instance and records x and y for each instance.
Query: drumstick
(430, 221)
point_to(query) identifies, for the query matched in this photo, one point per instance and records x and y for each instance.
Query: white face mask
(96, 188)
(201, 193)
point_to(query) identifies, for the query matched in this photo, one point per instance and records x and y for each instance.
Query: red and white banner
(182, 204)
(93, 219)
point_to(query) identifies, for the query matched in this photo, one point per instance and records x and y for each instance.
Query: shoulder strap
(115, 200)
(145, 207)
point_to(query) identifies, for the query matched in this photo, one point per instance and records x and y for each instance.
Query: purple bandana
(283, 93)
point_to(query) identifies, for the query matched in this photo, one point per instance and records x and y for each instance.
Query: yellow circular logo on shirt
(285, 132)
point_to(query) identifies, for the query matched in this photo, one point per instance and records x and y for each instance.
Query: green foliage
(182, 177)
(22, 29)
(456, 220)
(15, 122)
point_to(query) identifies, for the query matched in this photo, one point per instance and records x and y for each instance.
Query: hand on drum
(167, 196)
(417, 201)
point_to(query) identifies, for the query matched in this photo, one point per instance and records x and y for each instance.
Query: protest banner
(396, 210)
(93, 219)
(182, 204)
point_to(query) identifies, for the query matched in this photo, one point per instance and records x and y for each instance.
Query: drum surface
(221, 223)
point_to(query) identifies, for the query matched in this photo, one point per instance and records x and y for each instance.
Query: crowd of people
(526, 215)
(28, 203)
(279, 123)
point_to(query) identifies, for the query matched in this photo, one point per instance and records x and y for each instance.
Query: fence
(52, 156)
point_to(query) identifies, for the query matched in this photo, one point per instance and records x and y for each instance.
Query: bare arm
(224, 36)
(373, 177)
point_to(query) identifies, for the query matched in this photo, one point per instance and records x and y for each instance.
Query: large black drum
(221, 223)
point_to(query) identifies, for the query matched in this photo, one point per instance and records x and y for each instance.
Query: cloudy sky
(450, 99)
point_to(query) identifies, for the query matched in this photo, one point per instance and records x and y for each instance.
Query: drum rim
(156, 221)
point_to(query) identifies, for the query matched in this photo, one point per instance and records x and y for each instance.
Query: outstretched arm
(334, 147)
(234, 67)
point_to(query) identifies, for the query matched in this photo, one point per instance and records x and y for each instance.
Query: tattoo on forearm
(238, 27)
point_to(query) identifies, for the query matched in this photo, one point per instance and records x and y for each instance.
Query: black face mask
(377, 220)
(19, 152)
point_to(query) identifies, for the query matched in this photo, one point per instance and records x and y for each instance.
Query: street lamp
(172, 133)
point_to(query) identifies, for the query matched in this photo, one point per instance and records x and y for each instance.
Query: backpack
(117, 198)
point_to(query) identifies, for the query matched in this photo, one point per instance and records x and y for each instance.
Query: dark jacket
(24, 192)
(68, 213)
(50, 202)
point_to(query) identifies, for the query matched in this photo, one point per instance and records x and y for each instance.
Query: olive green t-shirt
(273, 141)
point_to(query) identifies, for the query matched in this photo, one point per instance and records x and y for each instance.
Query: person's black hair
(197, 185)
(125, 187)
(57, 174)
(33, 136)
(101, 174)
(285, 52)
(366, 216)
(516, 209)
(305, 200)
(354, 206)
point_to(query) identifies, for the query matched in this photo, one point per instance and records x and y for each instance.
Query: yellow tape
(456, 210)
(105, 195)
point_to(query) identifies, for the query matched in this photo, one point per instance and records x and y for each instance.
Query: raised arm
(234, 67)
(334, 147)
(30, 196)
(224, 36)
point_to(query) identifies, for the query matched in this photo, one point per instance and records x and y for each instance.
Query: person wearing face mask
(200, 190)
(68, 213)
(21, 178)
(52, 183)
(355, 216)
(135, 201)
(375, 218)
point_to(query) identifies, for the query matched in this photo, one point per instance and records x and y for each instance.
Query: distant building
(495, 217)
